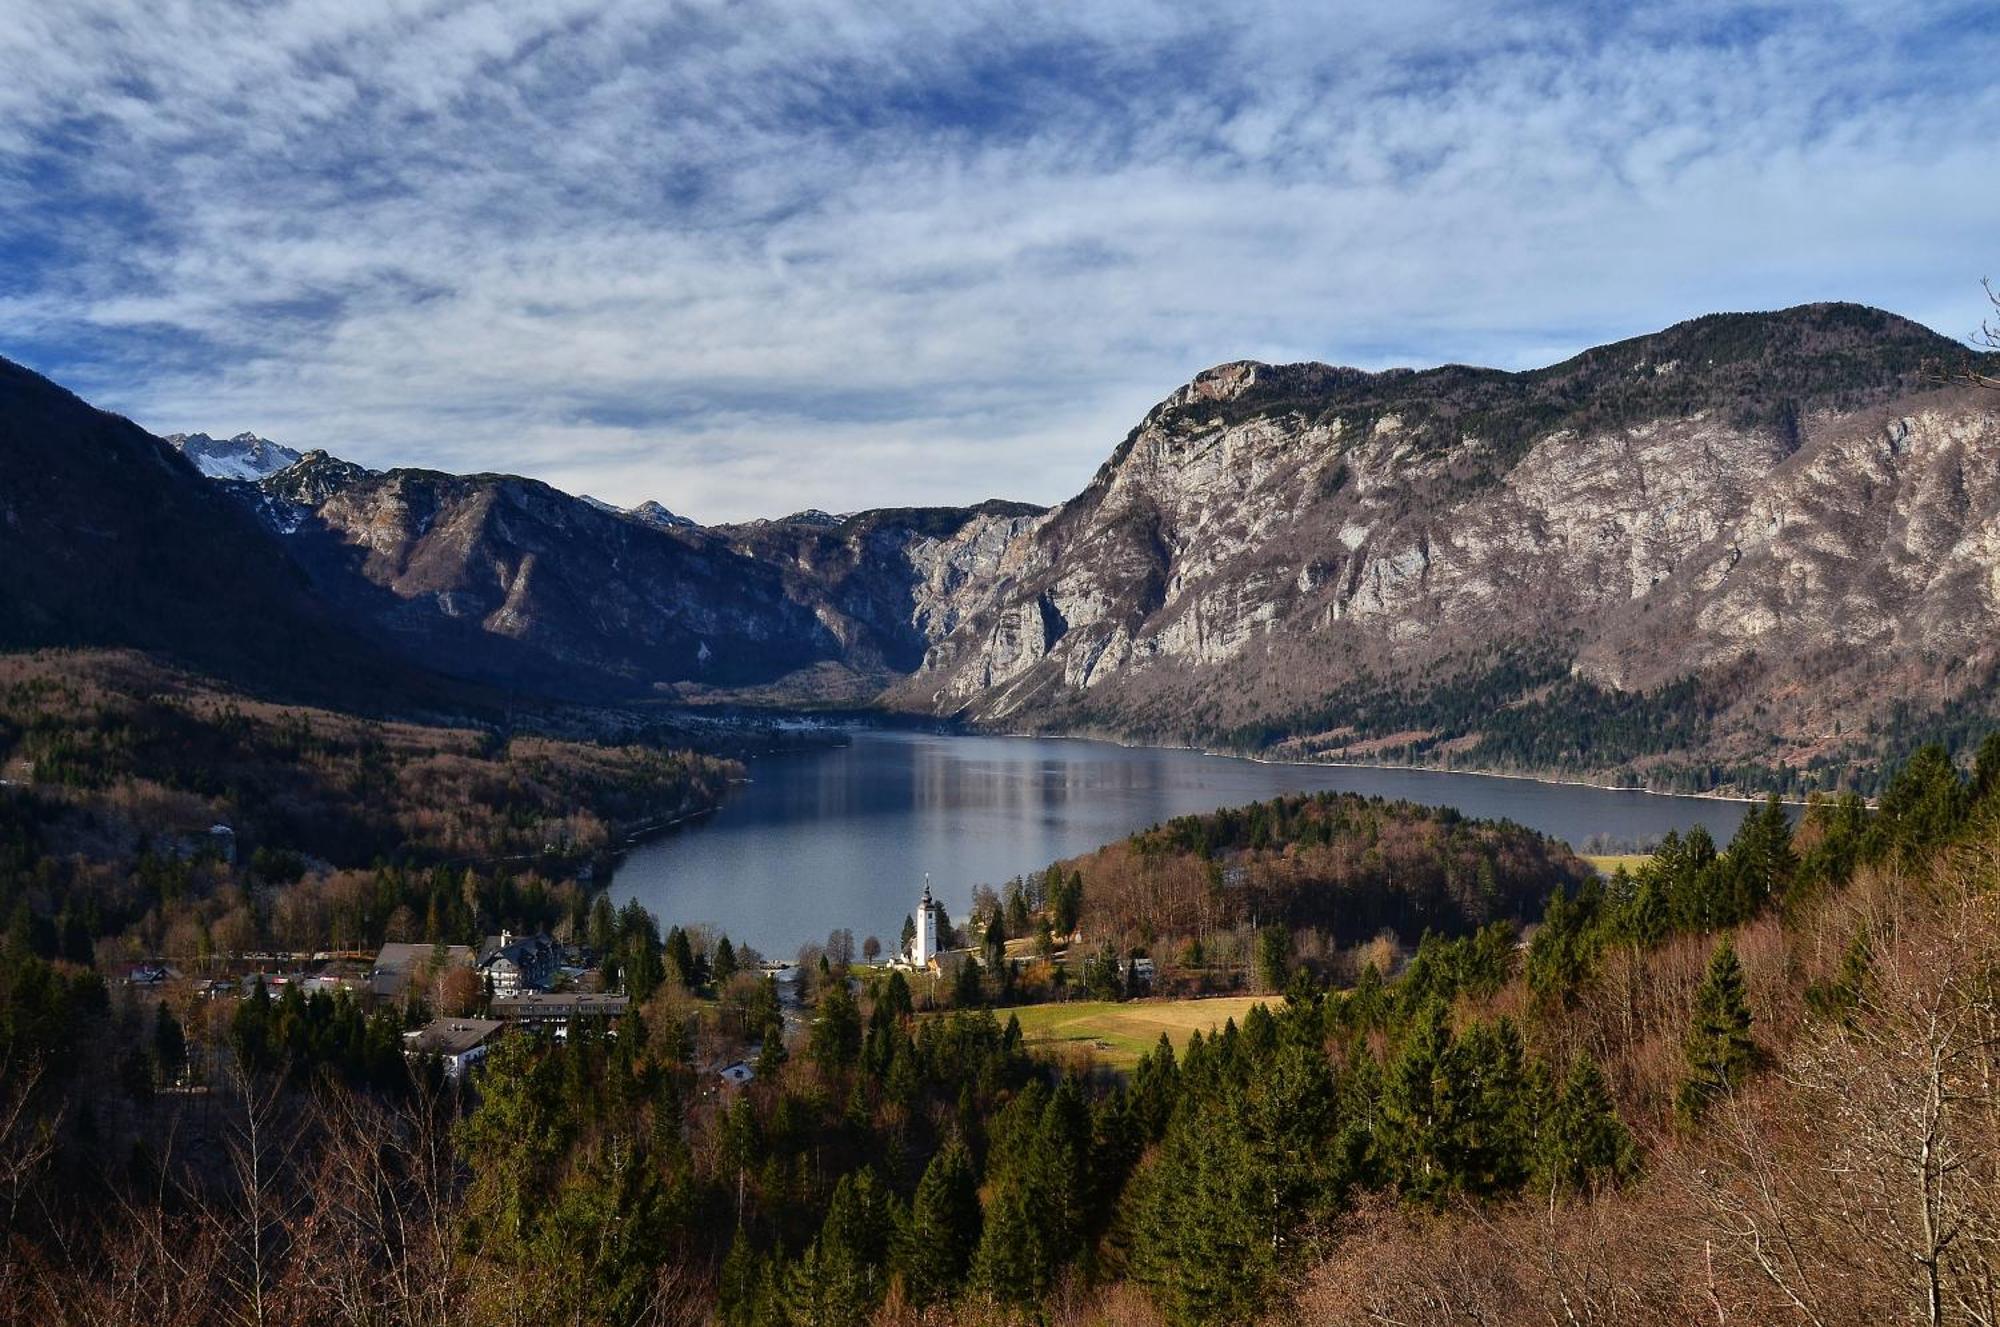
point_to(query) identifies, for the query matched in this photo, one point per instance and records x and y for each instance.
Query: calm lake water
(843, 836)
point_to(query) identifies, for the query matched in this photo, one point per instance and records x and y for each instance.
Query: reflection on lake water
(843, 837)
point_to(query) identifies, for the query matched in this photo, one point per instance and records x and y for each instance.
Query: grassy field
(1631, 861)
(1118, 1034)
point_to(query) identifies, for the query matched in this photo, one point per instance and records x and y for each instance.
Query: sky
(747, 258)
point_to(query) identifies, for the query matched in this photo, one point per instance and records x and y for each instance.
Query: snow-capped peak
(244, 457)
(649, 512)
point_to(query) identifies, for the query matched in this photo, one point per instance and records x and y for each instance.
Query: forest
(1687, 1092)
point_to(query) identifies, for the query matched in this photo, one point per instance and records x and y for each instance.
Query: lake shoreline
(1549, 780)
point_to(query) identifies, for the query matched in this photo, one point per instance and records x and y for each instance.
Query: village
(458, 1001)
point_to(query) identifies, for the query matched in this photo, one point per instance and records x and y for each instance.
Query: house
(1136, 972)
(459, 1043)
(536, 1010)
(398, 965)
(736, 1075)
(512, 964)
(933, 929)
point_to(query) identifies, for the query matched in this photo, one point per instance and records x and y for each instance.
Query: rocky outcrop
(1754, 538)
(1278, 550)
(509, 580)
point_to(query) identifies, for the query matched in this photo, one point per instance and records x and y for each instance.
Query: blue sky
(746, 258)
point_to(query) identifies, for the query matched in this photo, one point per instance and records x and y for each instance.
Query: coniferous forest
(1632, 1086)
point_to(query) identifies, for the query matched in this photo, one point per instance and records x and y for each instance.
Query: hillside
(1345, 866)
(510, 581)
(1740, 540)
(109, 537)
(1749, 550)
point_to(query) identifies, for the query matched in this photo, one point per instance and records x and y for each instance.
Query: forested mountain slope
(109, 537)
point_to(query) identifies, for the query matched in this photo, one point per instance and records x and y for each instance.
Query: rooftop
(451, 1036)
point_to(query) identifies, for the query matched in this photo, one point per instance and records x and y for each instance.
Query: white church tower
(933, 925)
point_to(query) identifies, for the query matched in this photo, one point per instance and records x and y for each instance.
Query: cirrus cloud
(750, 257)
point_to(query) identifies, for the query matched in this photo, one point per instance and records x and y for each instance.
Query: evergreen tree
(995, 941)
(1007, 1267)
(1582, 1142)
(1417, 1106)
(909, 933)
(842, 1276)
(1923, 806)
(1274, 957)
(943, 1232)
(725, 962)
(836, 1033)
(1986, 766)
(1719, 1050)
(680, 959)
(169, 1044)
(967, 990)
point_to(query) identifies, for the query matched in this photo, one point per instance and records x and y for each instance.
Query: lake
(842, 837)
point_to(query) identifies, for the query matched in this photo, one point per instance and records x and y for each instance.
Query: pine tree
(836, 1033)
(844, 1275)
(1007, 1266)
(1837, 1000)
(995, 941)
(943, 1232)
(169, 1044)
(1416, 1105)
(1274, 957)
(1720, 1053)
(725, 962)
(1582, 1142)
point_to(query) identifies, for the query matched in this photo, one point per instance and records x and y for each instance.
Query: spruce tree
(169, 1044)
(943, 1231)
(1582, 1141)
(1720, 1053)
(1416, 1105)
(836, 1033)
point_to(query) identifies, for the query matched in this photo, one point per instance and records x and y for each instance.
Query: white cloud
(750, 258)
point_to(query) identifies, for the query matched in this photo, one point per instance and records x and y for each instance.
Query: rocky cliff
(1748, 542)
(1743, 538)
(507, 579)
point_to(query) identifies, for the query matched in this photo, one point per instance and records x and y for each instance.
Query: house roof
(452, 1036)
(535, 1003)
(399, 960)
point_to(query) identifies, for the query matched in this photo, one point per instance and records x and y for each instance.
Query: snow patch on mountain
(245, 457)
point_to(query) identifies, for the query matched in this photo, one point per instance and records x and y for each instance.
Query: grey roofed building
(516, 963)
(458, 1042)
(399, 963)
(536, 1009)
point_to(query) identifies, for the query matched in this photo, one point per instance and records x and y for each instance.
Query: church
(933, 929)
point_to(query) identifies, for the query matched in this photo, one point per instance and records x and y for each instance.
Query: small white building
(933, 929)
(458, 1043)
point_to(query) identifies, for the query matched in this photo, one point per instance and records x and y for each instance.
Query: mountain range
(1749, 542)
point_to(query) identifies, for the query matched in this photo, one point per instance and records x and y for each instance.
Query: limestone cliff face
(507, 579)
(1762, 498)
(1747, 538)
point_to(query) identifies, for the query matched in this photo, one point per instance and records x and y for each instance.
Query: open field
(1118, 1034)
(1605, 864)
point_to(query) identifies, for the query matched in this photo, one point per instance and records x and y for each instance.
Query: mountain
(1742, 539)
(245, 456)
(652, 513)
(111, 537)
(1742, 547)
(504, 579)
